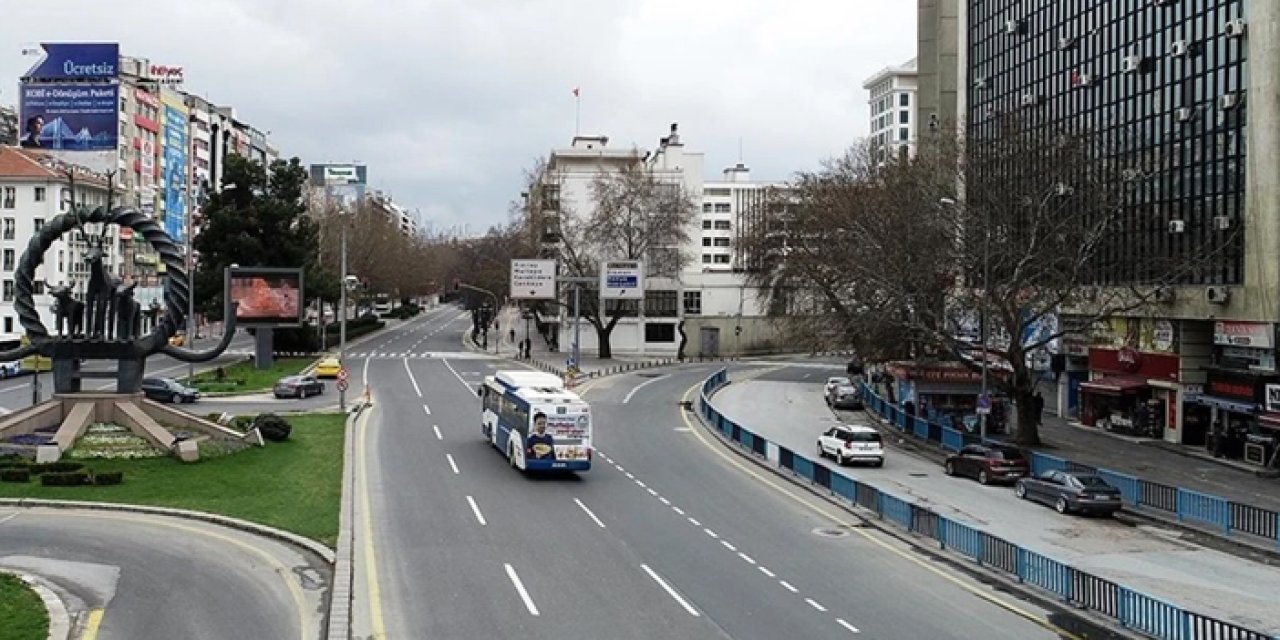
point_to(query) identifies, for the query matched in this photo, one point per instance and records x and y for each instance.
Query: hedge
(15, 475)
(71, 479)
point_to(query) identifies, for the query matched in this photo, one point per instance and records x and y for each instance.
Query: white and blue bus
(535, 421)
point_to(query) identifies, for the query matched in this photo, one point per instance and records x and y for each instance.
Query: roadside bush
(108, 478)
(273, 427)
(15, 475)
(15, 464)
(56, 467)
(71, 479)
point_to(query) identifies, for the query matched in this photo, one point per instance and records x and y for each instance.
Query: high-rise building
(892, 98)
(940, 69)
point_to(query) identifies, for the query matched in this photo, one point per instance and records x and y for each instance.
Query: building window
(8, 324)
(706, 224)
(8, 259)
(66, 200)
(722, 259)
(706, 258)
(722, 242)
(8, 291)
(660, 304)
(903, 134)
(723, 207)
(722, 225)
(693, 303)
(37, 287)
(659, 332)
(37, 223)
(8, 228)
(39, 194)
(904, 117)
(10, 197)
(706, 207)
(706, 242)
(904, 99)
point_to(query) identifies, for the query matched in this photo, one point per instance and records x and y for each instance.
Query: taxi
(328, 368)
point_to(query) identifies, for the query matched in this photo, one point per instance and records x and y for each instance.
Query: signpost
(984, 405)
(533, 279)
(622, 280)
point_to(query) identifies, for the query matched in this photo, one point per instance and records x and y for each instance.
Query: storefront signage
(1239, 385)
(1273, 398)
(1129, 361)
(1162, 336)
(936, 374)
(1256, 335)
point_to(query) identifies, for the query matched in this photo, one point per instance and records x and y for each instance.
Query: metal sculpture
(106, 326)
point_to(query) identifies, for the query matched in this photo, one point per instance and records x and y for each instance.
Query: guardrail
(1131, 608)
(1186, 505)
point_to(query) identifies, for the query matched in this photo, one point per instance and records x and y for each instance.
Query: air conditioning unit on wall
(1131, 64)
(1217, 294)
(1234, 28)
(1178, 48)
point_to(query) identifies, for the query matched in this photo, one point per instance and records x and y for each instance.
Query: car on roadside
(831, 385)
(328, 368)
(178, 339)
(297, 387)
(10, 369)
(988, 463)
(168, 390)
(1071, 492)
(852, 443)
(846, 396)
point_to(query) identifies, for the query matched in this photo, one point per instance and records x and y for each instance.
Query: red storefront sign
(935, 373)
(1129, 361)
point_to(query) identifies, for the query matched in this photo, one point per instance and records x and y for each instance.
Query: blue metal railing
(1132, 609)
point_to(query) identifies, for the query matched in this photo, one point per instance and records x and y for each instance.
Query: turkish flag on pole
(575, 92)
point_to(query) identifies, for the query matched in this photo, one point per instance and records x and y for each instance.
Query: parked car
(852, 443)
(846, 396)
(1071, 491)
(831, 385)
(10, 369)
(298, 387)
(988, 463)
(328, 368)
(168, 390)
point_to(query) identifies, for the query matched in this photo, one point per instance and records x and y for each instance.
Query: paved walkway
(557, 361)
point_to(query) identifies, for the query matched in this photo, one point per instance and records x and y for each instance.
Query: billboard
(533, 279)
(70, 117)
(325, 175)
(622, 280)
(175, 173)
(76, 61)
(267, 296)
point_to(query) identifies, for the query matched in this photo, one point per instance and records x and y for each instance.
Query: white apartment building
(892, 98)
(34, 190)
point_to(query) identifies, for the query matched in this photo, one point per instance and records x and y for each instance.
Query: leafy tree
(258, 219)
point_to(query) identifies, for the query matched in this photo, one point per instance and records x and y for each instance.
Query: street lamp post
(191, 295)
(342, 326)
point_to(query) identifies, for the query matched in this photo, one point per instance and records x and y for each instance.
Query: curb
(1240, 546)
(59, 618)
(279, 535)
(340, 595)
(1088, 624)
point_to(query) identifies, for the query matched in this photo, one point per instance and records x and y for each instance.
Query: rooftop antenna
(739, 149)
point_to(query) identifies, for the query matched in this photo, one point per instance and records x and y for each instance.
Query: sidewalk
(1153, 560)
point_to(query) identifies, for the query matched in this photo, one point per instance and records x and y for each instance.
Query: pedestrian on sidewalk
(1037, 403)
(512, 335)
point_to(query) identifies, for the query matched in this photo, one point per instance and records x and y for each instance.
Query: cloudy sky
(447, 100)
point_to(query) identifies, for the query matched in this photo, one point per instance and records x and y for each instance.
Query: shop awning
(1115, 385)
(1234, 406)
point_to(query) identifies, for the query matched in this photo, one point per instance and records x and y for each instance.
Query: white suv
(852, 443)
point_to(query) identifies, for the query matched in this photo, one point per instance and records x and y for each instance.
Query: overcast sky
(447, 100)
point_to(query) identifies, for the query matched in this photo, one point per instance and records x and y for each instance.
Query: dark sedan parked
(168, 390)
(298, 387)
(1071, 491)
(988, 463)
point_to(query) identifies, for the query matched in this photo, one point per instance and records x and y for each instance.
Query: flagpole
(577, 113)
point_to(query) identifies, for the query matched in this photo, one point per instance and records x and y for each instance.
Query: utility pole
(577, 283)
(342, 327)
(191, 294)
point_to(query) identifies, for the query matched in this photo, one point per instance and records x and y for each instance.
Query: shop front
(1241, 429)
(945, 393)
(1130, 391)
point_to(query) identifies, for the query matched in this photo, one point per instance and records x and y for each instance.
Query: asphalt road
(146, 578)
(668, 536)
(786, 407)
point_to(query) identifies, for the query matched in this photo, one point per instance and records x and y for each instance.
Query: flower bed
(112, 442)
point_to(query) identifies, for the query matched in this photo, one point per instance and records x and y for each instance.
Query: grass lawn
(294, 485)
(22, 613)
(246, 377)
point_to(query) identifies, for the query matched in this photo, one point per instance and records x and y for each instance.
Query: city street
(785, 405)
(665, 537)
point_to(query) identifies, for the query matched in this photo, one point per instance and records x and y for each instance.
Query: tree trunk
(1028, 434)
(602, 339)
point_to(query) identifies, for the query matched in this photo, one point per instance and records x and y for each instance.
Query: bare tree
(1018, 225)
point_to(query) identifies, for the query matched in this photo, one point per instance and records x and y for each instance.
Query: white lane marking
(767, 572)
(841, 622)
(642, 484)
(639, 387)
(787, 585)
(452, 465)
(9, 517)
(589, 513)
(364, 375)
(413, 380)
(746, 558)
(436, 428)
(456, 375)
(524, 594)
(678, 510)
(631, 476)
(426, 408)
(728, 545)
(670, 591)
(711, 533)
(694, 522)
(476, 510)
(682, 429)
(814, 603)
(664, 501)
(652, 492)
(619, 467)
